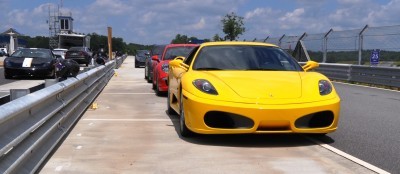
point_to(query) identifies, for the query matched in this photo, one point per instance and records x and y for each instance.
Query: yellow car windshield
(244, 57)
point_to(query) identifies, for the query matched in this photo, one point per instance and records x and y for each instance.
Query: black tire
(170, 111)
(145, 72)
(153, 86)
(6, 76)
(183, 130)
(158, 92)
(149, 80)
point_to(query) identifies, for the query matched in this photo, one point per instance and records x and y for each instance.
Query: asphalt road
(369, 126)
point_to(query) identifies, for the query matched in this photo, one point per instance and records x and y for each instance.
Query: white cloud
(346, 2)
(199, 25)
(35, 20)
(292, 19)
(257, 13)
(293, 16)
(158, 21)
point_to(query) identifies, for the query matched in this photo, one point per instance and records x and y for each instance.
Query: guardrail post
(360, 44)
(280, 40)
(17, 93)
(325, 45)
(265, 40)
(49, 82)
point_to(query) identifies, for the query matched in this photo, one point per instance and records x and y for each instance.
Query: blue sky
(158, 21)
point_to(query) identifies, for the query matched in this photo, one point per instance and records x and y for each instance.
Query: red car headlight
(325, 87)
(205, 86)
(165, 67)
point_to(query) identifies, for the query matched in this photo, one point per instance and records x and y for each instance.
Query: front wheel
(145, 72)
(6, 76)
(158, 92)
(170, 111)
(183, 130)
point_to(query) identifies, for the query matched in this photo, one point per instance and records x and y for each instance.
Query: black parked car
(156, 52)
(2, 53)
(31, 62)
(140, 57)
(82, 55)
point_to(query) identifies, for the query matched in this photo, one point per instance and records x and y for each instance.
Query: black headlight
(205, 86)
(7, 63)
(325, 87)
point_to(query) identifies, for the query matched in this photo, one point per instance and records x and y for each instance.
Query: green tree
(217, 38)
(180, 39)
(183, 39)
(232, 26)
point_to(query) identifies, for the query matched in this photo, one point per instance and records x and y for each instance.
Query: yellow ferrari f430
(249, 87)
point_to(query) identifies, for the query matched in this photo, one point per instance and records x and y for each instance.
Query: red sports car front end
(161, 79)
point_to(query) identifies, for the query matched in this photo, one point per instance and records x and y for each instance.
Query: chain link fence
(348, 46)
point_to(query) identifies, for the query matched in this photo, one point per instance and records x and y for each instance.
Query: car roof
(34, 49)
(237, 43)
(181, 45)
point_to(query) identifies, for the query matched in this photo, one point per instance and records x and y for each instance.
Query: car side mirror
(175, 62)
(179, 58)
(178, 62)
(155, 58)
(310, 65)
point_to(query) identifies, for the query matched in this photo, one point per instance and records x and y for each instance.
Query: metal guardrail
(119, 61)
(32, 126)
(387, 76)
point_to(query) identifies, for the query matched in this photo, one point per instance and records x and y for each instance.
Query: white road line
(132, 120)
(348, 156)
(366, 86)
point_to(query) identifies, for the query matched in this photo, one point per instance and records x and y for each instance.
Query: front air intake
(315, 120)
(224, 120)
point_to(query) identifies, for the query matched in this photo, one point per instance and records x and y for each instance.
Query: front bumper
(29, 72)
(218, 117)
(138, 63)
(81, 60)
(162, 82)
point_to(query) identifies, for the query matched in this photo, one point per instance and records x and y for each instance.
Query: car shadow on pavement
(252, 140)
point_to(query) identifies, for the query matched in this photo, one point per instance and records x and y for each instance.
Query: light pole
(11, 46)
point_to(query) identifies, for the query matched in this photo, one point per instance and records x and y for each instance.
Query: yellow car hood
(262, 84)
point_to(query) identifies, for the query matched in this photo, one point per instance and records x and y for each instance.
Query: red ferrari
(161, 63)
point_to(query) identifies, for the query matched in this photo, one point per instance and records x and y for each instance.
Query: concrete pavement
(130, 132)
(2, 60)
